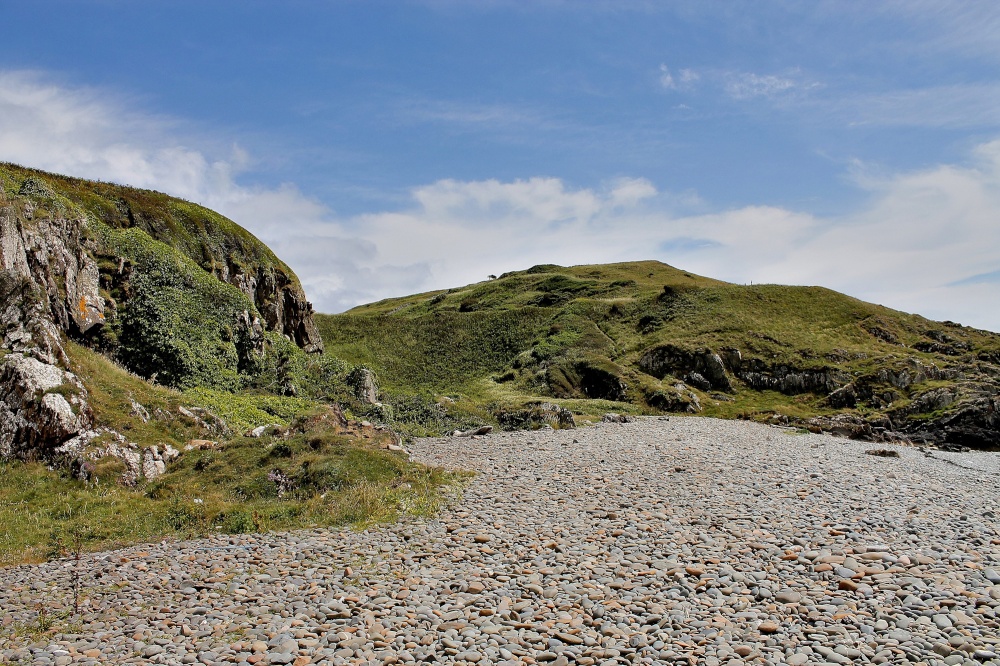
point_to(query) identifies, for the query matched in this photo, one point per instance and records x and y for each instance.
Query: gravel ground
(686, 540)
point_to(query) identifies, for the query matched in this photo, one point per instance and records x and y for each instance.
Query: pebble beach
(676, 540)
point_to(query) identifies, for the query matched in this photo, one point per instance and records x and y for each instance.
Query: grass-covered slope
(310, 468)
(649, 337)
(177, 347)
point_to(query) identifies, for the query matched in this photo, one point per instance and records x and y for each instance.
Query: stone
(364, 384)
(139, 411)
(788, 597)
(262, 430)
(481, 430)
(41, 407)
(768, 627)
(152, 463)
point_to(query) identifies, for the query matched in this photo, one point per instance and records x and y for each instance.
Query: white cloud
(913, 247)
(684, 80)
(927, 241)
(666, 78)
(628, 192)
(689, 76)
(747, 85)
(95, 134)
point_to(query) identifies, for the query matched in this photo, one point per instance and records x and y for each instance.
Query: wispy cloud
(968, 27)
(685, 78)
(747, 85)
(737, 85)
(666, 78)
(993, 277)
(465, 113)
(975, 105)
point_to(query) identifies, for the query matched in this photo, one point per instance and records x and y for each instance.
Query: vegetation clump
(657, 339)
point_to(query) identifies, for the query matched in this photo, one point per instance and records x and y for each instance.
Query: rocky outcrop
(41, 407)
(534, 415)
(280, 300)
(706, 370)
(57, 255)
(702, 368)
(975, 423)
(913, 372)
(586, 378)
(761, 376)
(852, 426)
(966, 414)
(25, 325)
(676, 398)
(49, 282)
(364, 384)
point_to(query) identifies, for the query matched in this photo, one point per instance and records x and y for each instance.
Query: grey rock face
(25, 324)
(41, 407)
(933, 400)
(704, 365)
(280, 301)
(54, 254)
(791, 381)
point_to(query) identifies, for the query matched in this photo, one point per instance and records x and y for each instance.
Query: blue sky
(387, 147)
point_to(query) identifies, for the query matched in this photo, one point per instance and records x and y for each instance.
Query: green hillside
(645, 336)
(160, 376)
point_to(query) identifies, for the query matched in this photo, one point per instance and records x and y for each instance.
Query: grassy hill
(143, 340)
(174, 331)
(646, 337)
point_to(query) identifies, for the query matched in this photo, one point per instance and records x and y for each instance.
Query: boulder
(260, 431)
(850, 426)
(41, 407)
(676, 398)
(152, 463)
(481, 430)
(138, 410)
(534, 415)
(364, 384)
(697, 380)
(845, 396)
